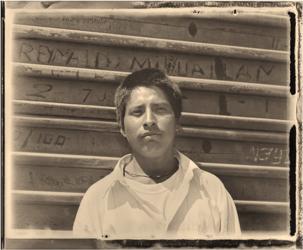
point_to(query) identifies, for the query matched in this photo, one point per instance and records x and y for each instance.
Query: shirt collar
(187, 166)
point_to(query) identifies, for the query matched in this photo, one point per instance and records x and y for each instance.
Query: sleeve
(229, 217)
(83, 224)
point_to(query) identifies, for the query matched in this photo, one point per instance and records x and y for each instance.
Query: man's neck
(157, 170)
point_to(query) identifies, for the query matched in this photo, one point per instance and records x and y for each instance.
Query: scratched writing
(47, 54)
(91, 20)
(66, 181)
(212, 151)
(40, 89)
(128, 60)
(272, 155)
(66, 73)
(56, 140)
(31, 136)
(223, 109)
(264, 71)
(243, 73)
(17, 134)
(278, 43)
(27, 137)
(172, 65)
(88, 93)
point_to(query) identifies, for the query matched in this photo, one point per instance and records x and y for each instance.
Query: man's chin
(151, 153)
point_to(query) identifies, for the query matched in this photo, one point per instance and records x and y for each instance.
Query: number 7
(87, 94)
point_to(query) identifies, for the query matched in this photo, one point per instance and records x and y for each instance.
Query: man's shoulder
(209, 182)
(99, 188)
(202, 177)
(207, 177)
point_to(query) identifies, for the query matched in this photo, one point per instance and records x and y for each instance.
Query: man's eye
(162, 110)
(136, 112)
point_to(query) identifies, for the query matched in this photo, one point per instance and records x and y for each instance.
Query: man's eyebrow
(135, 106)
(161, 103)
(140, 105)
(153, 103)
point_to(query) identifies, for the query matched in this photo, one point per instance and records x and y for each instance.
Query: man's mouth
(146, 134)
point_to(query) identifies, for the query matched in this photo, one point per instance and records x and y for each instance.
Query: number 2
(41, 88)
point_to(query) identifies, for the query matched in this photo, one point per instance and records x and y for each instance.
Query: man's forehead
(146, 94)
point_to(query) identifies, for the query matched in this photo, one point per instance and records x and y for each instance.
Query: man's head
(147, 78)
(148, 108)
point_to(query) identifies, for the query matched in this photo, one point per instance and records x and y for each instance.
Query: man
(154, 192)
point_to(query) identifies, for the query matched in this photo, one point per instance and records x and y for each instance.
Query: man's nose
(150, 119)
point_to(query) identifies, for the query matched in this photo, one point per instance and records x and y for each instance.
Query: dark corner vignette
(2, 34)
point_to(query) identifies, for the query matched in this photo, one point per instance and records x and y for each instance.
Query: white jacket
(200, 207)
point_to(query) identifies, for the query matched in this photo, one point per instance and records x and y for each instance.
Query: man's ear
(122, 132)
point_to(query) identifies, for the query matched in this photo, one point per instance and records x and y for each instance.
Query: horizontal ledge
(246, 17)
(251, 18)
(64, 160)
(71, 198)
(246, 170)
(102, 162)
(108, 76)
(109, 113)
(109, 126)
(261, 206)
(107, 39)
(47, 197)
(39, 234)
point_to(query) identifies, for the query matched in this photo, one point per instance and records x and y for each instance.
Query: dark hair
(147, 77)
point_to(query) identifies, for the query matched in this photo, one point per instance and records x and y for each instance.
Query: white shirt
(195, 206)
(155, 197)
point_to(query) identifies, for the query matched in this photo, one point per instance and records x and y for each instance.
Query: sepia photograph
(152, 124)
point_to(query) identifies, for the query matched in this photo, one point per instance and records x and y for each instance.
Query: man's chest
(134, 218)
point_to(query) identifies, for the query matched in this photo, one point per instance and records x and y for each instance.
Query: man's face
(149, 122)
